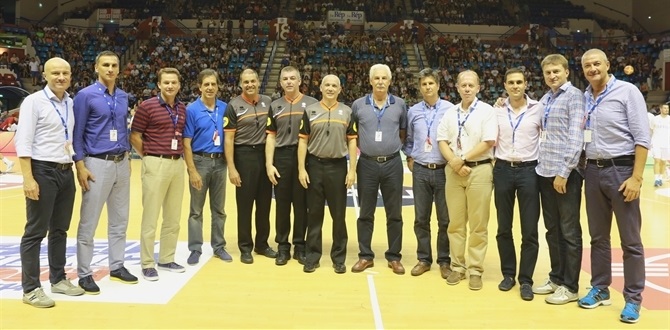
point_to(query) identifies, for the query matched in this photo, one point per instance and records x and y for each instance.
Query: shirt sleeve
(81, 112)
(575, 143)
(443, 128)
(230, 119)
(271, 127)
(304, 126)
(189, 128)
(490, 126)
(25, 133)
(638, 122)
(141, 119)
(409, 140)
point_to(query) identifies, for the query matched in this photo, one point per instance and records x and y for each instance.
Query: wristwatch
(463, 158)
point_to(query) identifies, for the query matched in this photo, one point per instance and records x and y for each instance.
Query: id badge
(216, 138)
(587, 135)
(174, 144)
(69, 149)
(427, 147)
(543, 136)
(378, 136)
(113, 135)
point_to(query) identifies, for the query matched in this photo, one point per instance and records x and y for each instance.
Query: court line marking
(376, 312)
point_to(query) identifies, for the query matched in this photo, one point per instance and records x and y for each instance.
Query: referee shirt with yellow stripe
(284, 119)
(328, 131)
(247, 119)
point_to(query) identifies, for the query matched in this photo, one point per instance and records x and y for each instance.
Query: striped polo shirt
(247, 120)
(159, 124)
(284, 119)
(328, 131)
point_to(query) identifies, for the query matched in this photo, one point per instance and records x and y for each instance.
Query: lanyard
(214, 119)
(112, 107)
(547, 109)
(174, 116)
(514, 127)
(380, 113)
(594, 105)
(461, 124)
(425, 117)
(62, 120)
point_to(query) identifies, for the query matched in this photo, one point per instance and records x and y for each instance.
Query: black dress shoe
(310, 268)
(527, 292)
(282, 258)
(300, 256)
(88, 284)
(247, 258)
(506, 284)
(340, 268)
(123, 275)
(268, 252)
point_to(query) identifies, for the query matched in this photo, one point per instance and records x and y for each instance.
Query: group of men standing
(539, 151)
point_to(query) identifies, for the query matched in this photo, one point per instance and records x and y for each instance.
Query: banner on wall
(109, 14)
(342, 16)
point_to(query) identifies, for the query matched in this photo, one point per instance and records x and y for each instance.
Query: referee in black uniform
(327, 133)
(281, 164)
(244, 129)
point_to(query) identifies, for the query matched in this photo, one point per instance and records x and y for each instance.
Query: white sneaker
(67, 288)
(37, 298)
(10, 165)
(562, 296)
(546, 288)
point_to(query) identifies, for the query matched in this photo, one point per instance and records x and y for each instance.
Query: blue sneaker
(595, 298)
(172, 267)
(194, 258)
(630, 313)
(150, 274)
(223, 255)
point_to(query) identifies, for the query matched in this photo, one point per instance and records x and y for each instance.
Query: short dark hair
(106, 53)
(514, 70)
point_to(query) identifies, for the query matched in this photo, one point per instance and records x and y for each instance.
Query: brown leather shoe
(361, 265)
(445, 270)
(397, 267)
(420, 268)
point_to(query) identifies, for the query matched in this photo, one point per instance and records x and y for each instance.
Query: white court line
(376, 312)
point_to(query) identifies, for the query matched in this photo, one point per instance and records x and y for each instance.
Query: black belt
(113, 157)
(289, 147)
(432, 166)
(327, 160)
(380, 159)
(627, 160)
(209, 155)
(58, 166)
(479, 162)
(173, 157)
(251, 146)
(516, 163)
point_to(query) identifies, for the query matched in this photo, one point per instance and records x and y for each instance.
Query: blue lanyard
(62, 120)
(462, 124)
(112, 107)
(215, 120)
(514, 127)
(425, 117)
(594, 105)
(380, 113)
(547, 109)
(175, 118)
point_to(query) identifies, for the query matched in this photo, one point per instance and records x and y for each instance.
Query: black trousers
(256, 188)
(289, 191)
(51, 213)
(327, 184)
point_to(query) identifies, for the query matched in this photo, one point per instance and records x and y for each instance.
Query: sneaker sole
(116, 279)
(562, 302)
(68, 294)
(606, 302)
(224, 260)
(39, 306)
(152, 279)
(91, 293)
(172, 270)
(628, 321)
(543, 292)
(454, 283)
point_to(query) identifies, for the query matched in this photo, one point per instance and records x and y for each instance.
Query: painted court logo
(145, 292)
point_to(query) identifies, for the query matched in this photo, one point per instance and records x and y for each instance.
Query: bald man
(617, 138)
(44, 147)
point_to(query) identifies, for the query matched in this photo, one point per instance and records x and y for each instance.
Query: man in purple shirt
(101, 148)
(617, 138)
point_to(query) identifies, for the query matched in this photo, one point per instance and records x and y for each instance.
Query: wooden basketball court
(234, 295)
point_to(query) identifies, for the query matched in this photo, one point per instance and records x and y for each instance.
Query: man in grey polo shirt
(382, 121)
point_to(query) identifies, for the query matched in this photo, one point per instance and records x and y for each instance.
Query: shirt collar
(53, 96)
(610, 83)
(389, 99)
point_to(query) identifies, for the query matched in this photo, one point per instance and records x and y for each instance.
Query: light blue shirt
(618, 120)
(419, 117)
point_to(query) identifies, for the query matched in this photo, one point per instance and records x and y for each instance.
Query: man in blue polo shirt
(206, 166)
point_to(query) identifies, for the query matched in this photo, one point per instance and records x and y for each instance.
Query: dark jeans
(387, 177)
(52, 212)
(327, 179)
(214, 178)
(564, 232)
(428, 186)
(521, 182)
(256, 188)
(289, 191)
(602, 198)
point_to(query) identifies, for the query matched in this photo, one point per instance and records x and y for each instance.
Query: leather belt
(479, 162)
(327, 160)
(432, 166)
(516, 163)
(113, 157)
(627, 160)
(288, 147)
(214, 155)
(380, 159)
(58, 166)
(250, 146)
(173, 157)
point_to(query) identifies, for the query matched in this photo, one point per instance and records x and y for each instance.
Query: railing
(268, 67)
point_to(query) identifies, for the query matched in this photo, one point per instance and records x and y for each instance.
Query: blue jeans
(214, 176)
(564, 232)
(521, 182)
(428, 186)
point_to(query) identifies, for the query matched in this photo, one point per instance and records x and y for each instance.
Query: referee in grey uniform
(244, 130)
(327, 132)
(382, 122)
(281, 164)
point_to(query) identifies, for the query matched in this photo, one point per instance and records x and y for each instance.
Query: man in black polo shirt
(244, 130)
(382, 121)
